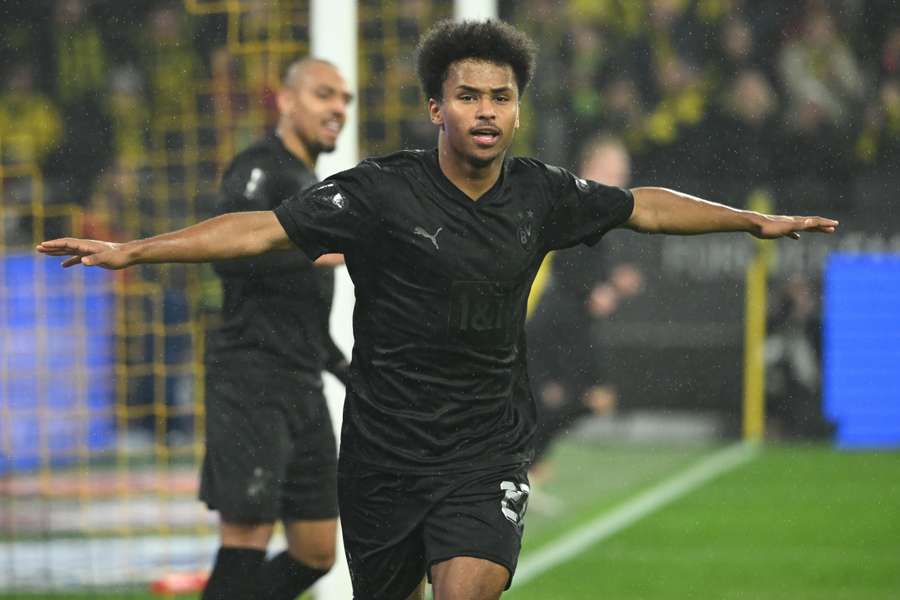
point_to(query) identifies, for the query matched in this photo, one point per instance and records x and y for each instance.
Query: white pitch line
(608, 524)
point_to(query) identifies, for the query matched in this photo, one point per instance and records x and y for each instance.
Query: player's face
(479, 112)
(316, 105)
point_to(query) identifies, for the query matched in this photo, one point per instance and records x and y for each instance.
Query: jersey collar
(286, 154)
(448, 187)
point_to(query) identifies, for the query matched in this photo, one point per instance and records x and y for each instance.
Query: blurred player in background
(793, 357)
(565, 364)
(443, 247)
(270, 447)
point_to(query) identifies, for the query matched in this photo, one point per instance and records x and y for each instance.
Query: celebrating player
(270, 448)
(442, 246)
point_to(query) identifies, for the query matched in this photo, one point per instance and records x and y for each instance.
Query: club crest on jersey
(525, 231)
(515, 501)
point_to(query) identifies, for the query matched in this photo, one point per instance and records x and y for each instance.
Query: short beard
(323, 149)
(316, 148)
(481, 163)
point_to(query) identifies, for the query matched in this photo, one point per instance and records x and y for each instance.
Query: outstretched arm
(658, 210)
(227, 236)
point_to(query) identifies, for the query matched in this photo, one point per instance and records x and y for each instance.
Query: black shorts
(270, 449)
(397, 525)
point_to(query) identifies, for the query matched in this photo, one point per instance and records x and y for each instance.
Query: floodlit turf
(591, 479)
(795, 523)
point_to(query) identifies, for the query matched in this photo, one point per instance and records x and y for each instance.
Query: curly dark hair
(493, 41)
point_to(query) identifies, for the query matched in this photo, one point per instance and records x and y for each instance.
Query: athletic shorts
(270, 449)
(397, 525)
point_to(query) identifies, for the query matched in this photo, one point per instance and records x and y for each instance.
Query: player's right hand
(90, 253)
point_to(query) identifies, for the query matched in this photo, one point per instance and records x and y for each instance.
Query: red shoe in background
(180, 583)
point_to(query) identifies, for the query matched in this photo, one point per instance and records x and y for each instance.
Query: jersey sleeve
(337, 215)
(254, 184)
(247, 185)
(582, 210)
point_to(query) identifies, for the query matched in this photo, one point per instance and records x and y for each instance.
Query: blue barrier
(58, 389)
(862, 349)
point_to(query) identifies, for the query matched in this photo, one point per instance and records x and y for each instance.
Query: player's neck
(471, 179)
(296, 146)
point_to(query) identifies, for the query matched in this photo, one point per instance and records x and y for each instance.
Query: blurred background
(117, 119)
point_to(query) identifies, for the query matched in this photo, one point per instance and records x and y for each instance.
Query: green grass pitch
(796, 522)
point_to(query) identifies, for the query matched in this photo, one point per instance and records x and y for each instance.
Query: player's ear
(285, 100)
(434, 112)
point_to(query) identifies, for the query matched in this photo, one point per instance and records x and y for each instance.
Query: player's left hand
(90, 253)
(776, 226)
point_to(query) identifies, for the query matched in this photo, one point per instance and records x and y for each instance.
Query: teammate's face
(316, 106)
(479, 112)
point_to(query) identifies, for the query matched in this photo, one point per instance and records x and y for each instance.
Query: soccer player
(270, 448)
(568, 377)
(442, 246)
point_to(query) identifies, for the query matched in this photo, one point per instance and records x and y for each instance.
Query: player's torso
(441, 294)
(274, 175)
(273, 314)
(458, 270)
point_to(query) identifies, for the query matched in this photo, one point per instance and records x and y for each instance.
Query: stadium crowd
(736, 90)
(728, 90)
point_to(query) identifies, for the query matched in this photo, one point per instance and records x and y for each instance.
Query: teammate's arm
(658, 210)
(226, 236)
(330, 260)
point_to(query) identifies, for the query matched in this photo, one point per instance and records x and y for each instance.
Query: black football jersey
(276, 306)
(438, 379)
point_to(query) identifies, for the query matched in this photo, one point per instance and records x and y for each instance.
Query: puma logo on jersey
(515, 501)
(421, 232)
